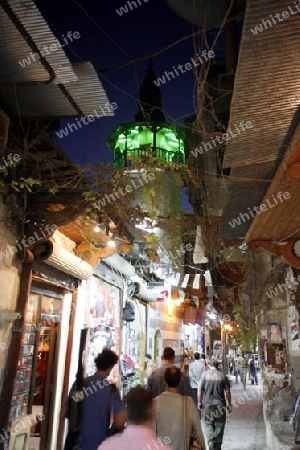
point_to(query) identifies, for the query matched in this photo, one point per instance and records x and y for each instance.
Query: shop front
(194, 331)
(35, 384)
(133, 344)
(105, 306)
(119, 323)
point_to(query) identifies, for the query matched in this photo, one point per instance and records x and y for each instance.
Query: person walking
(243, 365)
(213, 392)
(236, 368)
(138, 433)
(203, 360)
(196, 370)
(231, 365)
(253, 371)
(156, 384)
(176, 415)
(100, 400)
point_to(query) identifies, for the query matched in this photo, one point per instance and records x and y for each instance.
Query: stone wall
(10, 270)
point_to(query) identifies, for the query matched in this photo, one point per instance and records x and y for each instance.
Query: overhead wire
(91, 18)
(194, 34)
(174, 43)
(109, 37)
(102, 29)
(163, 50)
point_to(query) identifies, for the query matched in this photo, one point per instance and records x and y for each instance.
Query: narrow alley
(149, 183)
(245, 427)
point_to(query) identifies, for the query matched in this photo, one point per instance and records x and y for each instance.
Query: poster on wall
(276, 357)
(262, 341)
(274, 332)
(294, 333)
(30, 315)
(264, 334)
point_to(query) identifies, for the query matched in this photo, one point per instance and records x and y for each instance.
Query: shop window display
(133, 349)
(22, 383)
(104, 323)
(42, 313)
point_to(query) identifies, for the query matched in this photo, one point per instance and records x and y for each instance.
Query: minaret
(151, 141)
(150, 104)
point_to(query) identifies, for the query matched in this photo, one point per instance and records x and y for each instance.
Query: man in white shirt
(196, 370)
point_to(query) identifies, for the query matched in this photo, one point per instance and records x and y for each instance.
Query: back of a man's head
(168, 354)
(215, 363)
(172, 376)
(197, 356)
(203, 355)
(139, 406)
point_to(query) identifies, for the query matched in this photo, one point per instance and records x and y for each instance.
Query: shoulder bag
(193, 444)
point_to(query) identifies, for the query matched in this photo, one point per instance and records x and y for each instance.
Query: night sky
(108, 40)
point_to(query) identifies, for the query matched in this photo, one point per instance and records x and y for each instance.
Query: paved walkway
(245, 428)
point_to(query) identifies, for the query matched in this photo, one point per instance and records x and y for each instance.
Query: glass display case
(22, 383)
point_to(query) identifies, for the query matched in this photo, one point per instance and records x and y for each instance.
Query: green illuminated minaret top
(149, 135)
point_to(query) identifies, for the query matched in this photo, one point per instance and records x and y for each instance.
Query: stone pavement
(245, 427)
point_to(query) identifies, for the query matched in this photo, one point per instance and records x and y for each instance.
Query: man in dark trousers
(156, 384)
(176, 416)
(253, 371)
(214, 389)
(196, 370)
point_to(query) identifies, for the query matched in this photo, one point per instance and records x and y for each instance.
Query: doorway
(44, 369)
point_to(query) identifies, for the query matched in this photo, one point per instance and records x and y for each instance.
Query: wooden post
(65, 390)
(14, 349)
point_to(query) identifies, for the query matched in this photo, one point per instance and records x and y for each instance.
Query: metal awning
(266, 80)
(49, 101)
(35, 84)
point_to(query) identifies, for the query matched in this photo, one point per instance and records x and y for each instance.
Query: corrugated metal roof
(88, 91)
(280, 219)
(75, 89)
(244, 191)
(267, 78)
(15, 48)
(49, 101)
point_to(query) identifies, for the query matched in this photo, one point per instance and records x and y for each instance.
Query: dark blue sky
(108, 40)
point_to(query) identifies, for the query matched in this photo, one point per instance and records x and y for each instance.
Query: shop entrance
(34, 385)
(45, 368)
(43, 394)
